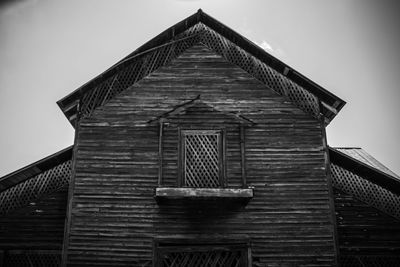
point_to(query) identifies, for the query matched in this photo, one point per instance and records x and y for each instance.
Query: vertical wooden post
(180, 181)
(330, 187)
(223, 163)
(243, 157)
(249, 257)
(160, 152)
(68, 222)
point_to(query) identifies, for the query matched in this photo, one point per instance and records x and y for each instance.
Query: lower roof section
(363, 180)
(35, 168)
(361, 155)
(364, 168)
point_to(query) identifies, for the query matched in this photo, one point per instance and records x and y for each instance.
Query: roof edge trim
(365, 171)
(35, 168)
(324, 95)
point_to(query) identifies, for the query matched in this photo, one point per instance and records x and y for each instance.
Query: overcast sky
(48, 48)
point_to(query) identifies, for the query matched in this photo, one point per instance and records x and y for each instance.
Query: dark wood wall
(38, 226)
(114, 217)
(365, 234)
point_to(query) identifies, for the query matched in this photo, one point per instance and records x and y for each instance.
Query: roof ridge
(330, 103)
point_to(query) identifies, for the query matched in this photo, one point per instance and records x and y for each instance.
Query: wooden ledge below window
(203, 193)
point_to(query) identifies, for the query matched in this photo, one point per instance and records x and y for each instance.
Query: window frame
(222, 154)
(165, 245)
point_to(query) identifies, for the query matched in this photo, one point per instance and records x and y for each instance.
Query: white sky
(48, 48)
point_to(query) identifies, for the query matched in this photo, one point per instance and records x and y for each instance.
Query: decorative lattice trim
(40, 185)
(199, 255)
(140, 67)
(147, 63)
(216, 258)
(368, 260)
(270, 77)
(366, 191)
(32, 258)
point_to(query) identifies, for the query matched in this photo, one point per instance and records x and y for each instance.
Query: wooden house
(201, 149)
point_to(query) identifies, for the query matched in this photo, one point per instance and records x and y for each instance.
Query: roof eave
(168, 34)
(35, 168)
(272, 61)
(67, 102)
(365, 171)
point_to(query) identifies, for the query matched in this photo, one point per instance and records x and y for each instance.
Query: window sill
(203, 193)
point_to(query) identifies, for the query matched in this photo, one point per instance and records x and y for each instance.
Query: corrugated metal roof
(361, 155)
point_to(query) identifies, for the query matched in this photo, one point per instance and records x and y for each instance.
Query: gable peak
(202, 27)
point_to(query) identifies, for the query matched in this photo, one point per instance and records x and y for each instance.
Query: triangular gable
(198, 105)
(201, 27)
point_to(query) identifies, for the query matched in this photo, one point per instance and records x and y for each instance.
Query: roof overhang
(365, 171)
(330, 103)
(36, 168)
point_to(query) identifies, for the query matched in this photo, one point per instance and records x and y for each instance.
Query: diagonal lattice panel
(267, 75)
(369, 260)
(214, 258)
(32, 259)
(366, 191)
(31, 189)
(136, 69)
(201, 159)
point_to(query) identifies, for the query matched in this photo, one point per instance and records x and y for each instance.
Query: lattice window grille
(215, 258)
(202, 158)
(366, 191)
(40, 185)
(371, 261)
(137, 70)
(32, 259)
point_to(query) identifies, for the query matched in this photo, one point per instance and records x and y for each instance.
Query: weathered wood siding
(364, 230)
(114, 217)
(38, 226)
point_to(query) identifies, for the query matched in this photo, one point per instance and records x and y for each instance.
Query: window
(192, 151)
(201, 158)
(199, 255)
